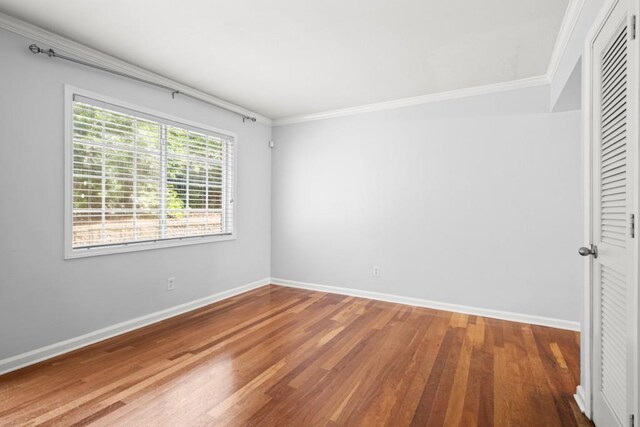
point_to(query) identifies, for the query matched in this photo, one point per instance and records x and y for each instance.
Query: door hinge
(633, 27)
(632, 226)
(632, 421)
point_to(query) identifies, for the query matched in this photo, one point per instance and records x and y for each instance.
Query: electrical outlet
(171, 283)
(376, 271)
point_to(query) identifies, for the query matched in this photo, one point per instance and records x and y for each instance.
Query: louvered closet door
(613, 148)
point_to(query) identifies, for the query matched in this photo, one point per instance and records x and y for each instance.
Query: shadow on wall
(571, 96)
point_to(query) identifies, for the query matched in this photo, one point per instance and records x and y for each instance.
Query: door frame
(584, 392)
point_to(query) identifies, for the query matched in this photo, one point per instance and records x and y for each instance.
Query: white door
(614, 116)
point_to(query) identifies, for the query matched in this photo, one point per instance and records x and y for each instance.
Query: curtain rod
(53, 54)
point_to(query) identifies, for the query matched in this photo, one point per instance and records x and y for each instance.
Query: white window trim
(69, 251)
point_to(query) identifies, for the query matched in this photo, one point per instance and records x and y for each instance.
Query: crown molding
(569, 21)
(84, 52)
(564, 35)
(58, 42)
(418, 100)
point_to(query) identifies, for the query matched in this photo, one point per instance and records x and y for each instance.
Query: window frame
(69, 251)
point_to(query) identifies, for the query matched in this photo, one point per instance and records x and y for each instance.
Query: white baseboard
(495, 314)
(579, 397)
(38, 355)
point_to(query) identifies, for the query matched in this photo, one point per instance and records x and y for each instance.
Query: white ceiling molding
(418, 100)
(84, 52)
(92, 55)
(566, 29)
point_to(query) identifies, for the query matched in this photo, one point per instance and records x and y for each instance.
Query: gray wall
(45, 299)
(476, 201)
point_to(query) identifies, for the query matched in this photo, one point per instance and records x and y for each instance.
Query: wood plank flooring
(282, 356)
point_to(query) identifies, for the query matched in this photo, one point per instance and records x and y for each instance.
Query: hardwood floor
(281, 356)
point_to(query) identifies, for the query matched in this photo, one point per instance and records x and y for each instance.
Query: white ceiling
(283, 58)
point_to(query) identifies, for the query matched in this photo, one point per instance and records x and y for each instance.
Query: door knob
(589, 251)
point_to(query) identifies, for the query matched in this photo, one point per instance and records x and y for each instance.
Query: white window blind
(141, 178)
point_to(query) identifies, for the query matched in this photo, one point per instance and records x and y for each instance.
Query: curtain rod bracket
(35, 49)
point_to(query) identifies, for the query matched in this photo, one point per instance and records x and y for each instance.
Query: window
(139, 180)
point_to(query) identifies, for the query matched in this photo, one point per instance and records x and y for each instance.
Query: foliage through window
(141, 178)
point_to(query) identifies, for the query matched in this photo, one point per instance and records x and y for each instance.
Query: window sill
(71, 253)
